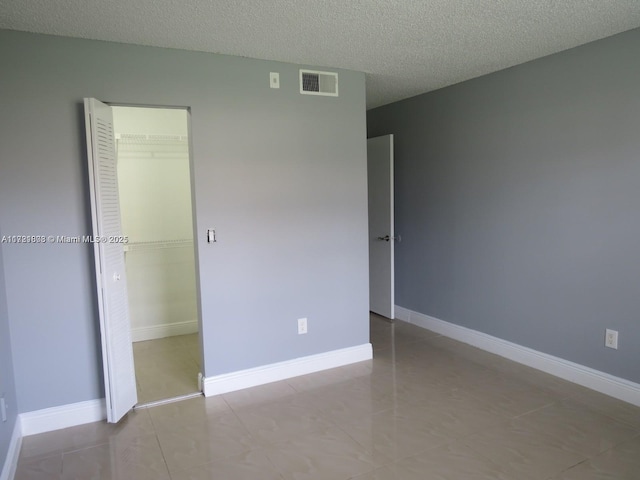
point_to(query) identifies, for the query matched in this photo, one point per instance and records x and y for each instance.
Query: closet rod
(159, 244)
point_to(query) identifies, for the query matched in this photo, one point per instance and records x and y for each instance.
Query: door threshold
(168, 400)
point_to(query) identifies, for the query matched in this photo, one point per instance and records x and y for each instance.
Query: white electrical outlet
(611, 339)
(302, 326)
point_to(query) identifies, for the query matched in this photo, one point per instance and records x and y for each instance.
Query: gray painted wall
(517, 198)
(280, 176)
(7, 384)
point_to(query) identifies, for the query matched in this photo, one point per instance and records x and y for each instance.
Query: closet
(154, 182)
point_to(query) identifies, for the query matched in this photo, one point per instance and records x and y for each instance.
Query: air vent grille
(318, 83)
(310, 82)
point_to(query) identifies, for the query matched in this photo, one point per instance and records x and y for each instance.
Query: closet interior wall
(155, 201)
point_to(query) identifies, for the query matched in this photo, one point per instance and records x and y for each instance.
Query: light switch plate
(274, 80)
(3, 409)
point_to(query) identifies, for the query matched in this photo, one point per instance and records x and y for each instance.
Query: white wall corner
(64, 416)
(11, 461)
(252, 377)
(602, 382)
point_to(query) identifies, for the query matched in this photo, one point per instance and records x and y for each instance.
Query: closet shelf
(141, 138)
(159, 244)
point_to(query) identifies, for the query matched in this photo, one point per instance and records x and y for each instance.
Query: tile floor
(426, 407)
(166, 367)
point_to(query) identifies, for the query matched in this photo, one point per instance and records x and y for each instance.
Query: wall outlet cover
(611, 339)
(302, 326)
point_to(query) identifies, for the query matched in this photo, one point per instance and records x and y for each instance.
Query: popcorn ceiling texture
(406, 47)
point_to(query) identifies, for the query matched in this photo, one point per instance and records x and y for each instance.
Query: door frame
(96, 252)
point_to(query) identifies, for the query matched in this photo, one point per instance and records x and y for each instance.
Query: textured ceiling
(405, 47)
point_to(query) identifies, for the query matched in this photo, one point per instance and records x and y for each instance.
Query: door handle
(116, 277)
(386, 238)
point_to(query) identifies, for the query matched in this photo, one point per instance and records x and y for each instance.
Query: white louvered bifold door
(113, 305)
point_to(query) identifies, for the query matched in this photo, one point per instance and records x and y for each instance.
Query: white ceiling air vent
(318, 83)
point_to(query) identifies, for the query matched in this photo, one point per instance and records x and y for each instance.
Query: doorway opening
(154, 185)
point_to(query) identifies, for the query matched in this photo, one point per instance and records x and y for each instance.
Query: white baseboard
(403, 314)
(140, 334)
(64, 416)
(587, 377)
(252, 377)
(11, 462)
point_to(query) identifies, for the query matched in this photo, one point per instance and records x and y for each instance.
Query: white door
(381, 233)
(113, 306)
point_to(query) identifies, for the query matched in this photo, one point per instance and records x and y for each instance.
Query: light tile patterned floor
(167, 367)
(426, 407)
